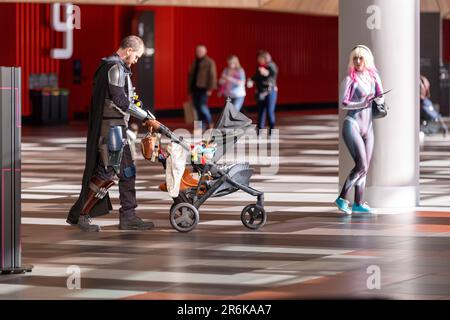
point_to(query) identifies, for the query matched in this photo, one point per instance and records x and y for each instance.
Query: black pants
(127, 189)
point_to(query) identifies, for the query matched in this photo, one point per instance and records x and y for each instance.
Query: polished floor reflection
(306, 249)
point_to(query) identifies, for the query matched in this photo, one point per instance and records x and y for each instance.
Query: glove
(152, 125)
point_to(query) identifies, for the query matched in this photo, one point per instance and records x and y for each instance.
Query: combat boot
(84, 223)
(135, 223)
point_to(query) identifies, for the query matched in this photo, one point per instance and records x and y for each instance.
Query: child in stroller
(431, 121)
(215, 180)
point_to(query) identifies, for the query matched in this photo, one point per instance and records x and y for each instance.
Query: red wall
(8, 34)
(304, 47)
(446, 40)
(25, 29)
(98, 37)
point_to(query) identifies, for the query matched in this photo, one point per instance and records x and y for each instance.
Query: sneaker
(343, 205)
(362, 208)
(135, 223)
(84, 223)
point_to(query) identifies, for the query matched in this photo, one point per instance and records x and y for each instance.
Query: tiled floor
(306, 250)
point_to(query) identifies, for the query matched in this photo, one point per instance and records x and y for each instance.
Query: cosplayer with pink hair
(357, 91)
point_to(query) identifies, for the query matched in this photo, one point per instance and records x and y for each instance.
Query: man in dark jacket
(202, 80)
(107, 151)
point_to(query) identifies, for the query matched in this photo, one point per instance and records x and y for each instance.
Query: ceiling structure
(314, 7)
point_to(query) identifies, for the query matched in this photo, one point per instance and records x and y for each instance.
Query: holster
(98, 189)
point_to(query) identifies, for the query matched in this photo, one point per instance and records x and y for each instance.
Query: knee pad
(130, 171)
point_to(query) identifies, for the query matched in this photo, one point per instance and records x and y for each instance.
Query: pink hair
(352, 72)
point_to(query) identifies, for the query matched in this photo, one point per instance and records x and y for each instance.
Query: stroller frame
(198, 201)
(184, 212)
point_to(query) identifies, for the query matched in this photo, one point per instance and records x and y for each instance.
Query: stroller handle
(169, 134)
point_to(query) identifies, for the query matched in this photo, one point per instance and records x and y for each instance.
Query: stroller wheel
(184, 217)
(253, 216)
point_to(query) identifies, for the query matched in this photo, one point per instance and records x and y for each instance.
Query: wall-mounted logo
(374, 20)
(72, 20)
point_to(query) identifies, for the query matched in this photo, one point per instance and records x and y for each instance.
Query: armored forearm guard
(140, 113)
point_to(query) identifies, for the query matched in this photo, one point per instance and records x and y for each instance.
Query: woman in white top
(232, 82)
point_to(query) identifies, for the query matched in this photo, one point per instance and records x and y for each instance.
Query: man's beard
(127, 61)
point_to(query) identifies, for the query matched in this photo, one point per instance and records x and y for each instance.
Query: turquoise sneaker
(343, 205)
(362, 208)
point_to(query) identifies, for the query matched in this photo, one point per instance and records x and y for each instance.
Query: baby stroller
(431, 121)
(215, 180)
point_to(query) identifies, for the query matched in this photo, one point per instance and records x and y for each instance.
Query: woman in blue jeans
(232, 82)
(265, 80)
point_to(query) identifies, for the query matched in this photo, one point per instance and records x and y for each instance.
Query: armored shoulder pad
(116, 76)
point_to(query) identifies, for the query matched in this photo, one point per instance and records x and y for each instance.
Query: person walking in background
(202, 79)
(232, 82)
(358, 90)
(265, 80)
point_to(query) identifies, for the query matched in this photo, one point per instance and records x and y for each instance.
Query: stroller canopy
(231, 125)
(232, 119)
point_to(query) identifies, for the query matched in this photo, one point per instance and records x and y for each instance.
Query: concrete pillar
(391, 30)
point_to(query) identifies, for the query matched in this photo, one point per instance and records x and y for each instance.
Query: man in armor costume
(107, 150)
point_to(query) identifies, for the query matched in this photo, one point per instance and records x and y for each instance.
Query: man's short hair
(133, 42)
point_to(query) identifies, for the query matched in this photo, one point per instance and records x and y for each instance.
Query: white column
(391, 29)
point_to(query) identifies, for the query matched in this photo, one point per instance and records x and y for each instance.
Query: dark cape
(100, 88)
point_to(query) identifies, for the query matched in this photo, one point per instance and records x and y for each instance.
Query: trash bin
(54, 106)
(40, 102)
(63, 105)
(49, 105)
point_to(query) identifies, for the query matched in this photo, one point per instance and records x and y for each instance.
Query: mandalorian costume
(107, 150)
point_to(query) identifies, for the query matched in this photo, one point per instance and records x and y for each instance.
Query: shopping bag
(190, 114)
